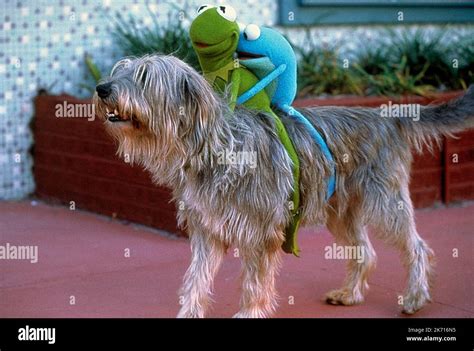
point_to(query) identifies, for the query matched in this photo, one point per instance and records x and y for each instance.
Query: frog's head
(215, 32)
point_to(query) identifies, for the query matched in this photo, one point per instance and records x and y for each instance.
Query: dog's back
(372, 149)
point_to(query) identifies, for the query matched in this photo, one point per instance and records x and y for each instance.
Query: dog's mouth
(247, 55)
(116, 118)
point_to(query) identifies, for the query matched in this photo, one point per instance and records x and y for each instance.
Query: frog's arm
(261, 84)
(235, 80)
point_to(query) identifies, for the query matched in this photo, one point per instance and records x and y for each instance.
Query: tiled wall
(42, 45)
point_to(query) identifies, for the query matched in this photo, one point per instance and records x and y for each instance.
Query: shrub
(170, 37)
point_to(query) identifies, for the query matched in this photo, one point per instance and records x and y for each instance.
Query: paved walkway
(81, 257)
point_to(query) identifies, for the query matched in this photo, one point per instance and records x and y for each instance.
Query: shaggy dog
(167, 118)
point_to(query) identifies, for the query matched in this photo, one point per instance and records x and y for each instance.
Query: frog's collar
(222, 72)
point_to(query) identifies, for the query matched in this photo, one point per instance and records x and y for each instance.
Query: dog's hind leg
(398, 229)
(206, 257)
(259, 269)
(352, 233)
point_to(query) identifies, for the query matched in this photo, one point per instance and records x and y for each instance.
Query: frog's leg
(290, 245)
(235, 80)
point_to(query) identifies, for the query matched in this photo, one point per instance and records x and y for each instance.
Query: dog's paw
(186, 313)
(343, 297)
(413, 304)
(250, 313)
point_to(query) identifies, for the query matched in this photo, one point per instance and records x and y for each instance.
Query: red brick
(425, 197)
(427, 178)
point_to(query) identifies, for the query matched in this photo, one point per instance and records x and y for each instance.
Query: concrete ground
(81, 258)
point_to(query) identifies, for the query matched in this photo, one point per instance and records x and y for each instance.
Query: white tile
(44, 52)
(49, 11)
(55, 38)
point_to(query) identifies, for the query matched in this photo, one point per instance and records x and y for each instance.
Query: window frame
(367, 12)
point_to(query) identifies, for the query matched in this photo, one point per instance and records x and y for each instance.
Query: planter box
(75, 161)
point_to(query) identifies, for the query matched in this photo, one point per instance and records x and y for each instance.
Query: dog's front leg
(259, 269)
(206, 257)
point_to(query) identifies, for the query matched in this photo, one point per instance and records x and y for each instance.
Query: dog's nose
(104, 90)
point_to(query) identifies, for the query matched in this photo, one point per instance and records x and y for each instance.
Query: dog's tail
(440, 120)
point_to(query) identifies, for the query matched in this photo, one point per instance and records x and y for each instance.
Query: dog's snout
(104, 90)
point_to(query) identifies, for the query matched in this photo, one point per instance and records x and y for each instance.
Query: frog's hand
(235, 80)
(319, 140)
(261, 84)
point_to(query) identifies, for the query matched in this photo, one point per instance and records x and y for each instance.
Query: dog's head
(157, 107)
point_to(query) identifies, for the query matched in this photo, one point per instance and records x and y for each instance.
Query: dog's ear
(199, 114)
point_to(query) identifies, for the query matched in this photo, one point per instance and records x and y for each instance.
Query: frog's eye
(203, 8)
(228, 12)
(252, 32)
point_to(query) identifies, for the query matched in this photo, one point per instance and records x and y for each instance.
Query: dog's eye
(203, 8)
(252, 32)
(122, 64)
(228, 12)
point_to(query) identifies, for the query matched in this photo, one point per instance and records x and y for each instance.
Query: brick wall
(459, 167)
(75, 161)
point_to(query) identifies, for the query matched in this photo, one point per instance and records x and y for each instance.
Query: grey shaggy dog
(167, 118)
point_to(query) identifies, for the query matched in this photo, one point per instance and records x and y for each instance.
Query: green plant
(461, 60)
(165, 37)
(424, 52)
(94, 72)
(397, 62)
(397, 79)
(321, 70)
(92, 68)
